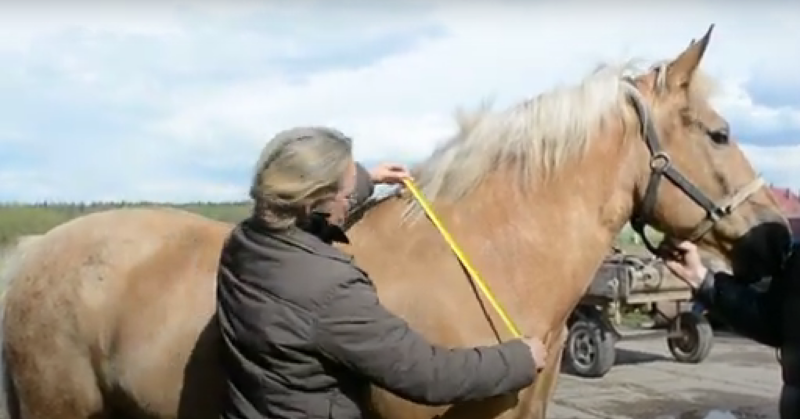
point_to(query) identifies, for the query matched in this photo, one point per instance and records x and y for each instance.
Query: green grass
(18, 220)
(629, 241)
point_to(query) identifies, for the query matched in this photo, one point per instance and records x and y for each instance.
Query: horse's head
(695, 181)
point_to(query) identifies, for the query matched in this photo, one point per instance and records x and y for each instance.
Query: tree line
(18, 220)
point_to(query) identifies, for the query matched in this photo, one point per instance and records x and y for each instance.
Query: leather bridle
(661, 167)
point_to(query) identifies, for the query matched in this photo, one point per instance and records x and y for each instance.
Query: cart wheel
(690, 338)
(589, 351)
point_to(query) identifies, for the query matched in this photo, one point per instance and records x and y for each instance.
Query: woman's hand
(684, 261)
(389, 173)
(538, 352)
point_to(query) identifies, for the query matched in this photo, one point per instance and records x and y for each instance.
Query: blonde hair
(299, 169)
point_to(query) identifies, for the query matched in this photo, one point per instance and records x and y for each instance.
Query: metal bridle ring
(660, 162)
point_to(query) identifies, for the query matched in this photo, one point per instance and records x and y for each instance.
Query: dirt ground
(739, 380)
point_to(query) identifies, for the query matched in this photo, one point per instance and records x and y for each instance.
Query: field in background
(24, 220)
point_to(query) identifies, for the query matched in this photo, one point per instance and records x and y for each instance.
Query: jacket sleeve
(355, 330)
(364, 187)
(360, 196)
(751, 312)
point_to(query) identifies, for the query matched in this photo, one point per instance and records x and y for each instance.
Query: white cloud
(737, 103)
(505, 53)
(23, 24)
(402, 104)
(778, 164)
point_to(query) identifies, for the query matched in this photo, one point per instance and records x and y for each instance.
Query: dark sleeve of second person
(355, 330)
(753, 313)
(364, 186)
(362, 192)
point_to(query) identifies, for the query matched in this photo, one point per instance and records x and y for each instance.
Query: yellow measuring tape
(426, 206)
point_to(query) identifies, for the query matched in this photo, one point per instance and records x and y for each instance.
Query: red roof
(790, 204)
(788, 201)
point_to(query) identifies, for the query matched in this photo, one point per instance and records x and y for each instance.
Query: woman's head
(302, 170)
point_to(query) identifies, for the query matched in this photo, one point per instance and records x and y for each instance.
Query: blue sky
(173, 102)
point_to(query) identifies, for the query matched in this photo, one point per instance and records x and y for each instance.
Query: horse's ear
(681, 69)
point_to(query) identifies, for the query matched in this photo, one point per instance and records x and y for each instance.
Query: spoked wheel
(690, 338)
(589, 350)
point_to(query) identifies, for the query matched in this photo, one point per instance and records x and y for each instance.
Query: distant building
(789, 201)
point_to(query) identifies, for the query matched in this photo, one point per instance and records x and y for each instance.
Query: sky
(173, 101)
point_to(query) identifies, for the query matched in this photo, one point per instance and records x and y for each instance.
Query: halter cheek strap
(661, 167)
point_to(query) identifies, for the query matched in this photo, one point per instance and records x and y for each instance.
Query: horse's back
(111, 306)
(101, 258)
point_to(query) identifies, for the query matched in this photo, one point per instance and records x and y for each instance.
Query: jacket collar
(315, 237)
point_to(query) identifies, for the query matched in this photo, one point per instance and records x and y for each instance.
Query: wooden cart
(625, 281)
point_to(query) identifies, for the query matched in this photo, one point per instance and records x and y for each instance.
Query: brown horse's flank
(111, 315)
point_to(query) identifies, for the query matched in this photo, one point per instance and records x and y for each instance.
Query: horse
(111, 315)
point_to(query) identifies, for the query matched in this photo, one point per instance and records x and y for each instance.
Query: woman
(304, 332)
(764, 315)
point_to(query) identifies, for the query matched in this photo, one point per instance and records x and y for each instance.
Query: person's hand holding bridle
(684, 261)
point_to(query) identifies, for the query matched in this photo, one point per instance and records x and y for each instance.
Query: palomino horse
(112, 315)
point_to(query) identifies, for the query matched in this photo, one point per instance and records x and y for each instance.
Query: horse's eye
(720, 136)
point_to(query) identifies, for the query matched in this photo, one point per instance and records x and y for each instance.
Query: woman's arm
(355, 330)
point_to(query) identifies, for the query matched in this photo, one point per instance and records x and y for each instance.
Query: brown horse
(111, 315)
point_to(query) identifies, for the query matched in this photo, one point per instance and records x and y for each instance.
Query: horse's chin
(750, 260)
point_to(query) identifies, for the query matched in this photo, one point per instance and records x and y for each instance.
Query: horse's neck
(538, 251)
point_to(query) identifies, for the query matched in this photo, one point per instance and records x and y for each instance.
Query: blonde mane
(535, 138)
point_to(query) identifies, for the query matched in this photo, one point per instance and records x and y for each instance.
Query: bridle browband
(661, 167)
